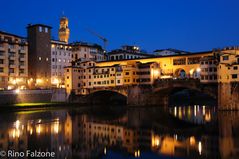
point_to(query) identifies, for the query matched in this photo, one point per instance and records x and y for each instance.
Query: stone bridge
(158, 93)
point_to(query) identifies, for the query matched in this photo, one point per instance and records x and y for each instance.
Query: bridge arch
(107, 97)
(180, 73)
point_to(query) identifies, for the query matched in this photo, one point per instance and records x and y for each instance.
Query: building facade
(13, 61)
(86, 51)
(127, 52)
(64, 31)
(83, 76)
(39, 39)
(169, 52)
(61, 56)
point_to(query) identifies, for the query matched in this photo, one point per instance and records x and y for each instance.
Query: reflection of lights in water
(203, 110)
(195, 110)
(208, 117)
(180, 113)
(137, 153)
(56, 127)
(189, 111)
(31, 131)
(200, 147)
(18, 133)
(59, 148)
(155, 141)
(198, 108)
(175, 111)
(175, 136)
(17, 124)
(105, 150)
(192, 140)
(38, 129)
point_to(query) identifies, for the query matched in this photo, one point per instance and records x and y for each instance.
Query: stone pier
(228, 96)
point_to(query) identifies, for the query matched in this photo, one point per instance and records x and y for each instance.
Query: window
(1, 61)
(234, 76)
(1, 69)
(11, 70)
(126, 73)
(235, 68)
(225, 58)
(40, 29)
(46, 30)
(118, 81)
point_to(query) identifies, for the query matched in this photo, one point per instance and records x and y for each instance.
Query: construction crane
(105, 41)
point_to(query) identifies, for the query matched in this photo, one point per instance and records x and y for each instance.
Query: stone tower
(64, 31)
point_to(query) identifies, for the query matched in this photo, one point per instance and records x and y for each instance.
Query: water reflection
(196, 114)
(196, 132)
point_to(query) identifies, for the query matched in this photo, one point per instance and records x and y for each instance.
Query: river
(104, 132)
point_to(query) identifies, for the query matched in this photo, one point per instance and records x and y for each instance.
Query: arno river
(120, 133)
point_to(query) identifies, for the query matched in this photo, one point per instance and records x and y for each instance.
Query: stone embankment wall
(32, 96)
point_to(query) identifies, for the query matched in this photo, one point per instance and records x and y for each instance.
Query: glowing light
(175, 111)
(17, 124)
(155, 141)
(105, 150)
(38, 129)
(200, 147)
(191, 71)
(31, 131)
(39, 81)
(198, 69)
(55, 81)
(166, 76)
(56, 127)
(192, 140)
(203, 110)
(17, 91)
(137, 153)
(208, 117)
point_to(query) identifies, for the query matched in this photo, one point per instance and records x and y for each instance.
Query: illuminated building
(228, 68)
(208, 66)
(127, 52)
(83, 76)
(84, 51)
(13, 61)
(86, 75)
(39, 39)
(64, 31)
(61, 56)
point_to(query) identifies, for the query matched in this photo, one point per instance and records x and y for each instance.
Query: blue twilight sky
(191, 25)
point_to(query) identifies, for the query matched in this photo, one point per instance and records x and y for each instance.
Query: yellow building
(13, 61)
(228, 68)
(88, 75)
